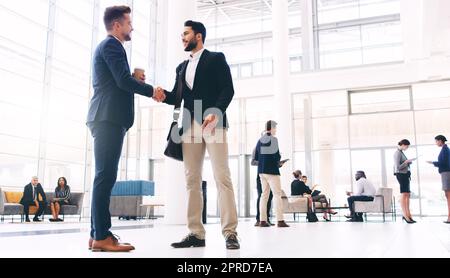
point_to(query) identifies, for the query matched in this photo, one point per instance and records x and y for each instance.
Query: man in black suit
(111, 114)
(33, 195)
(207, 90)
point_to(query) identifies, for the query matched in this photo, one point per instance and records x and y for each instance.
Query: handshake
(158, 93)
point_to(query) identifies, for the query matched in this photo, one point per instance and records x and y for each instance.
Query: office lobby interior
(344, 80)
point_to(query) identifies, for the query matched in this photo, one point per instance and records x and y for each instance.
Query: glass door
(370, 162)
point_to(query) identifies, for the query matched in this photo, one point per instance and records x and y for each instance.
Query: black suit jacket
(267, 154)
(213, 85)
(28, 194)
(298, 188)
(114, 87)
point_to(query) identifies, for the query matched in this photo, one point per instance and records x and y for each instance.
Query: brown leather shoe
(264, 224)
(116, 240)
(282, 224)
(110, 245)
(257, 224)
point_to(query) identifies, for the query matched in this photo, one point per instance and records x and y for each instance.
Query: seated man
(365, 192)
(33, 195)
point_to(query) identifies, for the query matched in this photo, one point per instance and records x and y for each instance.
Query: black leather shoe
(355, 220)
(189, 241)
(232, 242)
(36, 220)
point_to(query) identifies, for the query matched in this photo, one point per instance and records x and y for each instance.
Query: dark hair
(441, 138)
(113, 14)
(270, 125)
(360, 174)
(65, 182)
(304, 177)
(404, 142)
(198, 28)
(297, 174)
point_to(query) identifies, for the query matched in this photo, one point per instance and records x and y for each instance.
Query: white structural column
(307, 34)
(174, 182)
(46, 91)
(427, 22)
(441, 40)
(283, 100)
(414, 26)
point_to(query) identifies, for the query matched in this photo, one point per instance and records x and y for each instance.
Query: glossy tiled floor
(428, 238)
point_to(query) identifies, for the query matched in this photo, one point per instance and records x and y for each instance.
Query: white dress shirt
(192, 68)
(118, 40)
(34, 192)
(364, 188)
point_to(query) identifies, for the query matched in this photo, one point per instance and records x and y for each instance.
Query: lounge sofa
(127, 198)
(10, 205)
(298, 204)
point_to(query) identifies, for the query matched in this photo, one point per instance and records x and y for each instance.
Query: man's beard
(127, 37)
(191, 46)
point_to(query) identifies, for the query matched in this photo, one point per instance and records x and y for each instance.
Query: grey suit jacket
(400, 164)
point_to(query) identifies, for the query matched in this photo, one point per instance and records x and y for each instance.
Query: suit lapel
(200, 68)
(183, 72)
(124, 52)
(126, 58)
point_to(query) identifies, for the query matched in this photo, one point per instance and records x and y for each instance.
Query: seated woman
(299, 188)
(62, 197)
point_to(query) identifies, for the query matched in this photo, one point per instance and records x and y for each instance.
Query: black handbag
(174, 147)
(311, 217)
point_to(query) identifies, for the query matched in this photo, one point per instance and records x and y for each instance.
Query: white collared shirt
(34, 192)
(364, 188)
(192, 68)
(118, 40)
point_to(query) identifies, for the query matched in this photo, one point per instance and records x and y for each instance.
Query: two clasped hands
(159, 96)
(158, 93)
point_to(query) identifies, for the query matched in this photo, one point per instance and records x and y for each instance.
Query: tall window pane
(330, 133)
(16, 171)
(258, 112)
(332, 174)
(431, 95)
(359, 32)
(380, 129)
(380, 101)
(341, 10)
